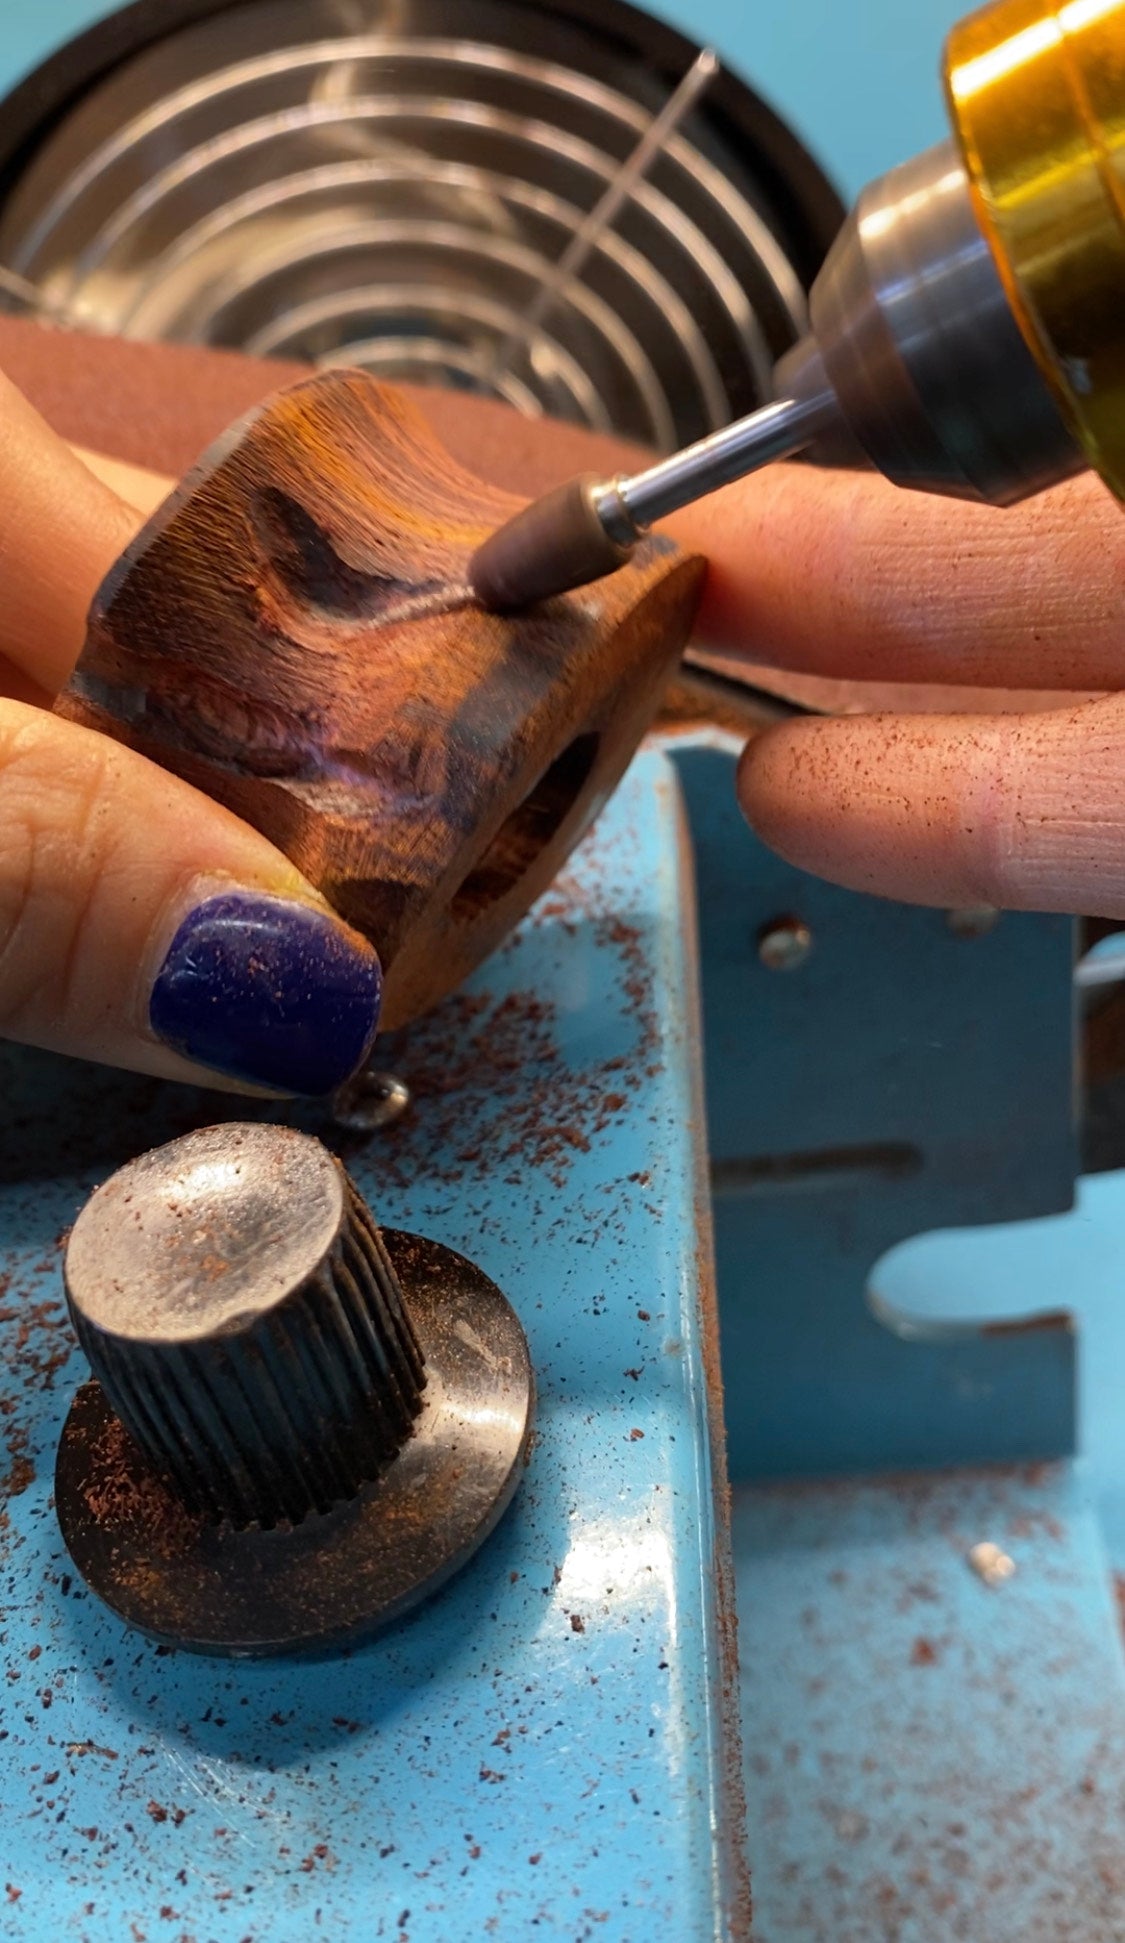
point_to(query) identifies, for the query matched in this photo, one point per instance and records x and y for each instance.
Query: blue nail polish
(270, 992)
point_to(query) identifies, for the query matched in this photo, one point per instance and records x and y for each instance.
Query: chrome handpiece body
(967, 330)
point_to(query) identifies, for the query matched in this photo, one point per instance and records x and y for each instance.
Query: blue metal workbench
(552, 1742)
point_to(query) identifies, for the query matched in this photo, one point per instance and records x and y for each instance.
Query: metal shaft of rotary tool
(628, 507)
(915, 364)
(589, 527)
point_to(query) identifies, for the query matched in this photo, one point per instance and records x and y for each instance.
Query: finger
(844, 574)
(18, 687)
(144, 926)
(141, 492)
(60, 531)
(1025, 812)
(136, 485)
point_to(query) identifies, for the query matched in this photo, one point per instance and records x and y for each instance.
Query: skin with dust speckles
(842, 575)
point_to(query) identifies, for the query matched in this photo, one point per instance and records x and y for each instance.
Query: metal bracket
(901, 1073)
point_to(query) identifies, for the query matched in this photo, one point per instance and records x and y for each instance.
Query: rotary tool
(967, 330)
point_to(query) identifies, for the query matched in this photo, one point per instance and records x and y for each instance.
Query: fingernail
(271, 992)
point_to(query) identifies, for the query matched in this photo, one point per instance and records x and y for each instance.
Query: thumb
(142, 925)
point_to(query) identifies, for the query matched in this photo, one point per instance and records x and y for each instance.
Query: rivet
(370, 1101)
(972, 920)
(784, 943)
(990, 1563)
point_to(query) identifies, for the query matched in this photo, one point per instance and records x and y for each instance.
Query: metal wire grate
(351, 183)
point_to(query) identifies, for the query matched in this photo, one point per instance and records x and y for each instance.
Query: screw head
(370, 1101)
(972, 920)
(990, 1563)
(784, 943)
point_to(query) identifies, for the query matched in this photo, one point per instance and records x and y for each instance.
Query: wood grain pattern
(292, 633)
(158, 405)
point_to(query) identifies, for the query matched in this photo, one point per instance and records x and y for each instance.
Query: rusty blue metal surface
(1075, 1260)
(932, 1757)
(901, 1079)
(928, 1757)
(545, 1747)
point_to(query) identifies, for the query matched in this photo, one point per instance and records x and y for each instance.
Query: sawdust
(121, 1492)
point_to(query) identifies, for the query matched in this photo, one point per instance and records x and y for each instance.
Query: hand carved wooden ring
(292, 633)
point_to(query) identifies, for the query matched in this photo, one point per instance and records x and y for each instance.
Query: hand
(140, 924)
(841, 574)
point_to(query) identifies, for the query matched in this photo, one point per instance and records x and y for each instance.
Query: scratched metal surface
(541, 1750)
(933, 1758)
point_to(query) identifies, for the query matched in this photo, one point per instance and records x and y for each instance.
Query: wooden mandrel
(292, 633)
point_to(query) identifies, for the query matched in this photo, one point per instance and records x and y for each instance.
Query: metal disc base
(331, 1580)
